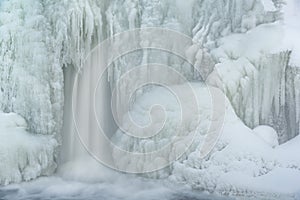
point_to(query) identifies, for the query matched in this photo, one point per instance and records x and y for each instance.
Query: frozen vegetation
(248, 50)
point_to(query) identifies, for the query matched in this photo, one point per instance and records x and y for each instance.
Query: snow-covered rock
(254, 73)
(24, 156)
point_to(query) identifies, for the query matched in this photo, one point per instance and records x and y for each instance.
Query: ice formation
(241, 163)
(71, 29)
(24, 156)
(244, 48)
(256, 80)
(31, 80)
(60, 34)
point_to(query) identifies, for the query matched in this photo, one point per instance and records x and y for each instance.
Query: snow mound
(23, 156)
(267, 134)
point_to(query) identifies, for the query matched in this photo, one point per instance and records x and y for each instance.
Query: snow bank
(23, 156)
(242, 165)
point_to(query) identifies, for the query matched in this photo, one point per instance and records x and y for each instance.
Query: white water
(115, 188)
(80, 126)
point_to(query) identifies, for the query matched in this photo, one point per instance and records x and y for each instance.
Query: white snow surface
(268, 134)
(24, 156)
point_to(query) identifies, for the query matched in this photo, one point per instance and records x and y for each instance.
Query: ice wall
(292, 97)
(256, 99)
(31, 79)
(61, 33)
(258, 79)
(38, 39)
(24, 156)
(204, 21)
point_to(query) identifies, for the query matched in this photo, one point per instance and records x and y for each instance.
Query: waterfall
(81, 131)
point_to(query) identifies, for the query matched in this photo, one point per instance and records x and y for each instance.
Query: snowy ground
(23, 156)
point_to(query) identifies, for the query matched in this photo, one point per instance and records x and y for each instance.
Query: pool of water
(118, 188)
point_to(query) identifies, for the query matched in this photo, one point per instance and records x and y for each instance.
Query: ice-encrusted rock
(24, 156)
(258, 79)
(31, 79)
(183, 123)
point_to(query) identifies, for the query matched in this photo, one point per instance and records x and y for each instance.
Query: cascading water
(80, 126)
